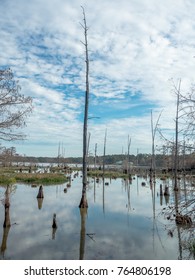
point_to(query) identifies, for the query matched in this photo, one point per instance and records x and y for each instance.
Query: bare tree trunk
(95, 158)
(104, 152)
(153, 155)
(153, 130)
(88, 141)
(184, 154)
(59, 155)
(83, 202)
(176, 139)
(128, 160)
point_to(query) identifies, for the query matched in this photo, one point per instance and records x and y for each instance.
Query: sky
(137, 50)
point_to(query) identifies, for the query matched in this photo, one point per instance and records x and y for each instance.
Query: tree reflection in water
(83, 214)
(7, 223)
(54, 226)
(145, 209)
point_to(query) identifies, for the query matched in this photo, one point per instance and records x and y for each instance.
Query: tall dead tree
(153, 130)
(95, 156)
(176, 154)
(104, 151)
(88, 153)
(83, 202)
(128, 157)
(103, 179)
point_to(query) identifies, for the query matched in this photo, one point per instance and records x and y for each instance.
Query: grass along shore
(10, 176)
(58, 175)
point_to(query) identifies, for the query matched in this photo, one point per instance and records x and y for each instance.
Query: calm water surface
(122, 222)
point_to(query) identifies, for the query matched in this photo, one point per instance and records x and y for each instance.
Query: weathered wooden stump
(40, 193)
(54, 224)
(83, 202)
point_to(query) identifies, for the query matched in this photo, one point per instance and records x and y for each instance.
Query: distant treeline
(164, 161)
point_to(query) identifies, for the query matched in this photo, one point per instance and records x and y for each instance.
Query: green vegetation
(7, 180)
(41, 178)
(11, 176)
(14, 169)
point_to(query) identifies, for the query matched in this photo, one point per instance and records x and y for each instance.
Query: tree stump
(83, 202)
(54, 224)
(40, 193)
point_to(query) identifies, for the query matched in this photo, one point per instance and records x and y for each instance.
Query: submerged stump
(54, 224)
(40, 193)
(83, 202)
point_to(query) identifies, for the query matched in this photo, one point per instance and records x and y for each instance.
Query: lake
(123, 221)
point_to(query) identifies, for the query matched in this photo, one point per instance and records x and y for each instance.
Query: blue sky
(135, 48)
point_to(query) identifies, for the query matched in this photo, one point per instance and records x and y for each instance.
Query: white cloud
(136, 47)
